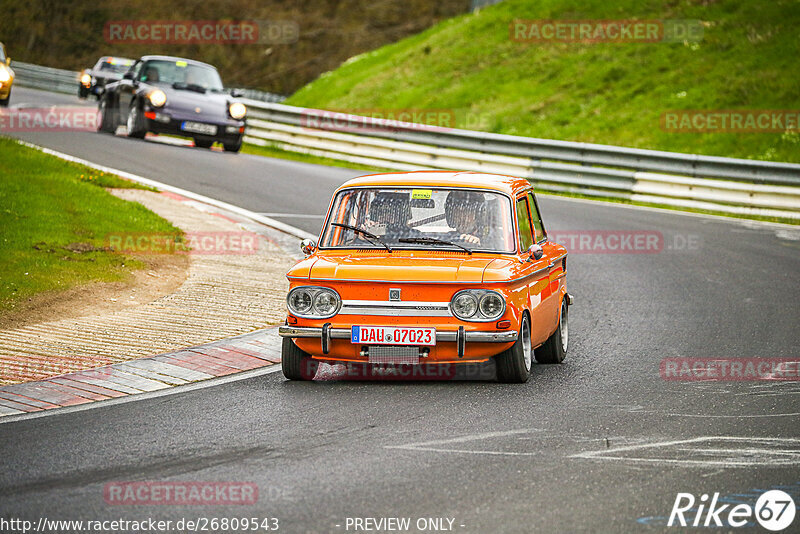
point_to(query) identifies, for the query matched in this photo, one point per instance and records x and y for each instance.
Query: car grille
(393, 355)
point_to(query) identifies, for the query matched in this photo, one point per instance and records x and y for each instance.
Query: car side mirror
(308, 246)
(237, 93)
(536, 251)
(127, 76)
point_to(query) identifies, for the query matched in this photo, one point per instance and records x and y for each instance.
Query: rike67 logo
(774, 510)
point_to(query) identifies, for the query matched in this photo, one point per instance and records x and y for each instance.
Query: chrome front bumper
(441, 335)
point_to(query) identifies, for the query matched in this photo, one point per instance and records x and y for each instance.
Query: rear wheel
(554, 350)
(107, 117)
(203, 143)
(295, 363)
(514, 364)
(135, 122)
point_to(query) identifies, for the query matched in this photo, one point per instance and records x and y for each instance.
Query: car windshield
(117, 66)
(181, 74)
(420, 218)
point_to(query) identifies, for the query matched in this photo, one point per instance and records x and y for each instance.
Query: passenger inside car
(465, 212)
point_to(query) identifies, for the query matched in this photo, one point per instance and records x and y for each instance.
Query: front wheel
(107, 117)
(135, 123)
(514, 364)
(295, 363)
(233, 147)
(554, 350)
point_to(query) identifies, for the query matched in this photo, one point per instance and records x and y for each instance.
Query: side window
(136, 69)
(524, 222)
(537, 219)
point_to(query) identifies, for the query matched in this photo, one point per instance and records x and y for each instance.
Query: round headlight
(4, 74)
(158, 98)
(237, 110)
(86, 79)
(300, 301)
(325, 303)
(491, 305)
(465, 305)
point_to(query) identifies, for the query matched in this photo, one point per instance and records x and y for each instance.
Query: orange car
(427, 268)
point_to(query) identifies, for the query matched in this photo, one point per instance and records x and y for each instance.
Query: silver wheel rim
(132, 119)
(526, 344)
(564, 325)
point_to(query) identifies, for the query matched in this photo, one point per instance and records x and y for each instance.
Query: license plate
(199, 127)
(393, 335)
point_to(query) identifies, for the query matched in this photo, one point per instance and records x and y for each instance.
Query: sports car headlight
(86, 79)
(478, 305)
(313, 302)
(237, 110)
(4, 74)
(158, 98)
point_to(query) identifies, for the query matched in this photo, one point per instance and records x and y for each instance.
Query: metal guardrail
(66, 81)
(748, 187)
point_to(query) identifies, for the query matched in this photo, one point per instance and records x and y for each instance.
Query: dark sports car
(107, 70)
(170, 95)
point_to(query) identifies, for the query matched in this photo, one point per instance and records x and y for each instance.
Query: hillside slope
(612, 93)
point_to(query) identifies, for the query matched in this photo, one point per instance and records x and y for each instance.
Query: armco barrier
(737, 186)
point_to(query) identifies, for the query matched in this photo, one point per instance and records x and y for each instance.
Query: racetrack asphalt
(601, 443)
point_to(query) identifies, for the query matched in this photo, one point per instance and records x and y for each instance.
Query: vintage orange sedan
(429, 268)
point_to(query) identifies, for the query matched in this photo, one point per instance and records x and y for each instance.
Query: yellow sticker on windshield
(421, 193)
(180, 64)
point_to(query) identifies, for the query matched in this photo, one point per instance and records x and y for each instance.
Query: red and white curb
(251, 354)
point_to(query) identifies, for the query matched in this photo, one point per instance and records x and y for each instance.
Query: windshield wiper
(368, 235)
(189, 86)
(432, 241)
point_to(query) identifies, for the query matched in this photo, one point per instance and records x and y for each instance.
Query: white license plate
(199, 127)
(393, 335)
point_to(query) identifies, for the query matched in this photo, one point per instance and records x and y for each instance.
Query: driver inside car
(465, 212)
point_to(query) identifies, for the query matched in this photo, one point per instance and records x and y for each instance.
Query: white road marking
(750, 455)
(431, 446)
(147, 395)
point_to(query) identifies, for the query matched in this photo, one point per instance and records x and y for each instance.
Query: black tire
(296, 364)
(554, 350)
(512, 367)
(82, 92)
(135, 122)
(203, 143)
(233, 147)
(107, 120)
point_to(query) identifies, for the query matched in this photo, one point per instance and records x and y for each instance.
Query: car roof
(174, 58)
(509, 185)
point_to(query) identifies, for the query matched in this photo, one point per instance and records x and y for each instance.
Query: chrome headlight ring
(485, 301)
(312, 302)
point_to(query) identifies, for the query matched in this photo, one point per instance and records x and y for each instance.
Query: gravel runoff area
(233, 287)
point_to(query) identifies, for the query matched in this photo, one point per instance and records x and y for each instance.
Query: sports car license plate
(199, 127)
(393, 335)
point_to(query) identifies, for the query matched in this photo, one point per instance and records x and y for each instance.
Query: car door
(555, 255)
(534, 272)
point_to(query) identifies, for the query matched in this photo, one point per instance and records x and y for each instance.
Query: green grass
(54, 219)
(610, 93)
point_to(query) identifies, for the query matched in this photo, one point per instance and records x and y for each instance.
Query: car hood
(209, 104)
(398, 267)
(106, 75)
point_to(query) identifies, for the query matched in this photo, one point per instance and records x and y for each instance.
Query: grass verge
(54, 219)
